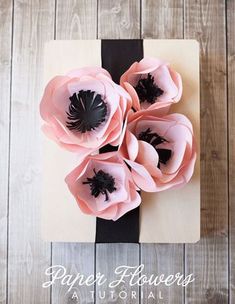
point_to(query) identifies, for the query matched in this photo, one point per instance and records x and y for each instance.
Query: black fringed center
(101, 183)
(86, 111)
(154, 139)
(147, 90)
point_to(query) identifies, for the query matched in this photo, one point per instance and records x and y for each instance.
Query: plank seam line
(97, 19)
(95, 273)
(51, 245)
(141, 19)
(140, 260)
(51, 261)
(55, 19)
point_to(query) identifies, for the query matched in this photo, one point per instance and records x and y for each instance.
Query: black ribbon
(117, 57)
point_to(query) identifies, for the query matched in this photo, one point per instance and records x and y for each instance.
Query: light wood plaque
(172, 216)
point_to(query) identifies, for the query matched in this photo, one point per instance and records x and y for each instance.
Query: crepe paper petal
(103, 186)
(147, 155)
(160, 150)
(142, 177)
(93, 71)
(154, 82)
(132, 145)
(135, 99)
(84, 110)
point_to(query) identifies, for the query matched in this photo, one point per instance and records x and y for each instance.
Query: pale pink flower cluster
(86, 113)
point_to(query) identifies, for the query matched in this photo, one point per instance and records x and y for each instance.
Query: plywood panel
(171, 216)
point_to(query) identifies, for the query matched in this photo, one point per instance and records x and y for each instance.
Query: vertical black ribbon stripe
(117, 57)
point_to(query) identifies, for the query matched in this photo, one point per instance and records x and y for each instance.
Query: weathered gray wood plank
(163, 20)
(231, 140)
(76, 258)
(167, 259)
(208, 260)
(28, 255)
(117, 19)
(75, 20)
(5, 75)
(108, 258)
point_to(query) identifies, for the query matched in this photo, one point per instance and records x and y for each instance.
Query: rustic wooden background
(24, 27)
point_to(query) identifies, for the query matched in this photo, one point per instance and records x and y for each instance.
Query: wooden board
(171, 216)
(5, 82)
(208, 260)
(118, 19)
(75, 258)
(231, 142)
(117, 255)
(28, 255)
(162, 19)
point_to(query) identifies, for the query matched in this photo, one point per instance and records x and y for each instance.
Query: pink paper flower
(151, 81)
(159, 149)
(84, 110)
(103, 186)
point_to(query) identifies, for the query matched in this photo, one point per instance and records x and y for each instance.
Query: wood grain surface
(28, 256)
(5, 87)
(231, 141)
(24, 27)
(208, 259)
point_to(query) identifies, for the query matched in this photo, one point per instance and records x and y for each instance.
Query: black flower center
(154, 139)
(101, 183)
(147, 90)
(86, 111)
